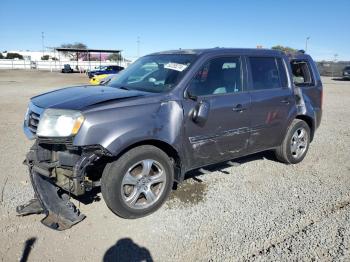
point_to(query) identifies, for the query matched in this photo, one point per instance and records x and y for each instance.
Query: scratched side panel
(270, 117)
(225, 133)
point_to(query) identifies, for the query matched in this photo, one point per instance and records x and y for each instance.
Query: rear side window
(301, 73)
(264, 71)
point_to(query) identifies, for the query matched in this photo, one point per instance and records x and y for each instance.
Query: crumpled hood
(79, 97)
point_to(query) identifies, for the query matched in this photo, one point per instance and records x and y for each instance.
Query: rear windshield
(154, 73)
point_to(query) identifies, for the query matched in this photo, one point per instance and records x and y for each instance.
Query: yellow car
(95, 80)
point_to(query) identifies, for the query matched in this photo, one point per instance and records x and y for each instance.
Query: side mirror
(200, 113)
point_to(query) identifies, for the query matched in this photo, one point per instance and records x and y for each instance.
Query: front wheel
(138, 183)
(295, 144)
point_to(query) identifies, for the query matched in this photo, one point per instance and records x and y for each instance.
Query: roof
(298, 55)
(221, 50)
(87, 50)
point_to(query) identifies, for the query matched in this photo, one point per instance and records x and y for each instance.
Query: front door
(224, 133)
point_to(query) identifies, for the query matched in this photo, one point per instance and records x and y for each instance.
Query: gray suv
(166, 114)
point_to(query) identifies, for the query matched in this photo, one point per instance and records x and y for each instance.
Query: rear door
(220, 84)
(273, 102)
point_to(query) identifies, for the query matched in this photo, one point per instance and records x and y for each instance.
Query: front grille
(33, 121)
(67, 141)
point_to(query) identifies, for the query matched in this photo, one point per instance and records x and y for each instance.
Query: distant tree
(45, 57)
(115, 57)
(285, 49)
(14, 55)
(73, 55)
(1, 56)
(54, 58)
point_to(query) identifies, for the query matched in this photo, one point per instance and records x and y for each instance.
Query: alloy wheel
(143, 184)
(298, 143)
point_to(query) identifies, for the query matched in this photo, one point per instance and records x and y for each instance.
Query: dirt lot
(258, 210)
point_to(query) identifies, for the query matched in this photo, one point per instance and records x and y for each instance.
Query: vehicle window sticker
(175, 66)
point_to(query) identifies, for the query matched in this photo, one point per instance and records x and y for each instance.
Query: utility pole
(138, 47)
(52, 49)
(333, 66)
(42, 41)
(306, 42)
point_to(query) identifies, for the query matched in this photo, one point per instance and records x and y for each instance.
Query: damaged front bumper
(58, 171)
(60, 213)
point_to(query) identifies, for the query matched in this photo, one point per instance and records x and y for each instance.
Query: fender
(163, 124)
(118, 129)
(305, 110)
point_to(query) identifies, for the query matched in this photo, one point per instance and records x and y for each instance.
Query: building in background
(54, 60)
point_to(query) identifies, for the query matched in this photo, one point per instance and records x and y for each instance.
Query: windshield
(153, 73)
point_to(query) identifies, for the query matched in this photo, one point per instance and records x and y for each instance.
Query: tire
(142, 171)
(295, 144)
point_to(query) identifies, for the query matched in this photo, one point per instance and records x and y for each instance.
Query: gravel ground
(256, 210)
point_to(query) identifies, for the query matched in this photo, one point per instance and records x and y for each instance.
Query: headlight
(26, 116)
(59, 123)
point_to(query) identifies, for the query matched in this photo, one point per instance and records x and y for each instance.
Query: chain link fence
(55, 65)
(326, 68)
(331, 68)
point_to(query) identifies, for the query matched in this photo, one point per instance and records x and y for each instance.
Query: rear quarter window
(302, 74)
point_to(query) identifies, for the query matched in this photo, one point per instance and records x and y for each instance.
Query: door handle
(285, 101)
(239, 108)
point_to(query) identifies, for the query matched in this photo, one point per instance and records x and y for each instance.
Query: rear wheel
(295, 144)
(138, 183)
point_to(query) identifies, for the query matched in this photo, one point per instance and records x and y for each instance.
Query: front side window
(264, 71)
(154, 73)
(218, 76)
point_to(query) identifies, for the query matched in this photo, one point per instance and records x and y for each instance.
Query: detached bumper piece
(57, 171)
(61, 214)
(32, 207)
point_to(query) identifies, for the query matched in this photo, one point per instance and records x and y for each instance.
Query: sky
(163, 25)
